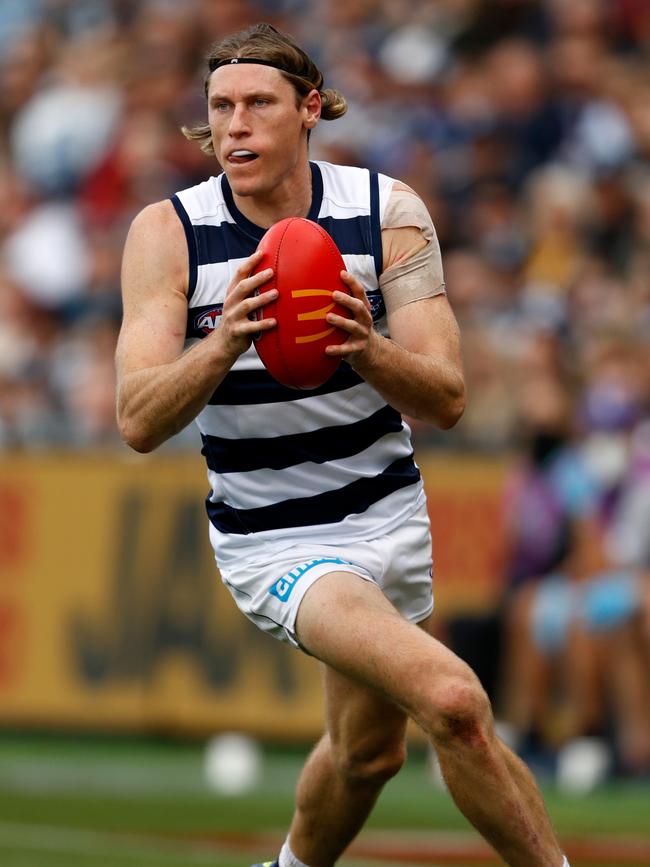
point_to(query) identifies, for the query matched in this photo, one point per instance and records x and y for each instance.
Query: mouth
(241, 157)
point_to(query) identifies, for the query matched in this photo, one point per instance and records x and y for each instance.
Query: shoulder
(157, 217)
(156, 241)
(406, 226)
(202, 200)
(404, 203)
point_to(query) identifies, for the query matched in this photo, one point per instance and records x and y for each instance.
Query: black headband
(234, 61)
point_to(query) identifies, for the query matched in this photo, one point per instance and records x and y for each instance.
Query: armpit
(412, 261)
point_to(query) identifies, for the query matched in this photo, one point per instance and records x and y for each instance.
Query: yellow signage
(112, 614)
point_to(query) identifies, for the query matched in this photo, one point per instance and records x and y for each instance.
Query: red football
(306, 270)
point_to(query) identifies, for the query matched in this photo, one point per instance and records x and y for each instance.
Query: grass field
(124, 803)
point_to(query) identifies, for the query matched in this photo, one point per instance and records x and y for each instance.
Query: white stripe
(363, 268)
(203, 201)
(219, 216)
(379, 518)
(299, 416)
(265, 487)
(248, 360)
(345, 187)
(342, 210)
(385, 189)
(212, 282)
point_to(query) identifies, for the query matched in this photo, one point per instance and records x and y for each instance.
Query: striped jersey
(330, 464)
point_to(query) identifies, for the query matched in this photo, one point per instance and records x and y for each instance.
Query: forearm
(157, 402)
(420, 386)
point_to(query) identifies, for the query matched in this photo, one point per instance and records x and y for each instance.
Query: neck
(292, 198)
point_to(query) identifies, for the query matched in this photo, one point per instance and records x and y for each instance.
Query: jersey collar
(257, 231)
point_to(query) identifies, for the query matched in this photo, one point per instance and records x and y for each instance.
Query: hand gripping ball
(306, 267)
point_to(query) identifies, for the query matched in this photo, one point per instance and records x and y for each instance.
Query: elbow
(452, 411)
(142, 446)
(135, 437)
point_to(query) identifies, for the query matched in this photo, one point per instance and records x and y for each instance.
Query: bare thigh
(349, 624)
(360, 721)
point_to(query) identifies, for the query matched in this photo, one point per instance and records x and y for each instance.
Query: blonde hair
(267, 43)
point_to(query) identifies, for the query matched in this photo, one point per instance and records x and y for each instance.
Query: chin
(242, 188)
(247, 186)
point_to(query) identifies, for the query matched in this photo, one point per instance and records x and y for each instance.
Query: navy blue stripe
(351, 235)
(191, 244)
(316, 192)
(328, 508)
(241, 387)
(227, 241)
(243, 222)
(375, 224)
(223, 242)
(275, 453)
(256, 231)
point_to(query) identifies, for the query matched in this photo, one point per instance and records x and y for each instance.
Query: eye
(221, 106)
(260, 101)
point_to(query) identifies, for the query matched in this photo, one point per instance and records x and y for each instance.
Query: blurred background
(525, 127)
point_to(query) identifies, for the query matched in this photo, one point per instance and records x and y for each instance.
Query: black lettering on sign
(163, 600)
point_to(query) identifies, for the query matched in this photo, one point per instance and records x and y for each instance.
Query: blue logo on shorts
(282, 588)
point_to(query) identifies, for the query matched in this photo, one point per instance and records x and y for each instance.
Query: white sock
(288, 859)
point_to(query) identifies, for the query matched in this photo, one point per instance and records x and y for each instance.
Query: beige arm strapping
(412, 261)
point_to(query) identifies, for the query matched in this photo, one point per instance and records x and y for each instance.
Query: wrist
(222, 352)
(369, 358)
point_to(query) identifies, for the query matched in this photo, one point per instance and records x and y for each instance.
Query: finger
(356, 287)
(254, 326)
(260, 299)
(342, 349)
(345, 323)
(249, 284)
(359, 309)
(354, 301)
(248, 264)
(348, 301)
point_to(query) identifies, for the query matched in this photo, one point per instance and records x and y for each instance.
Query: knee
(458, 712)
(369, 764)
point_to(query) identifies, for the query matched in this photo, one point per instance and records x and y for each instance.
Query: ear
(311, 106)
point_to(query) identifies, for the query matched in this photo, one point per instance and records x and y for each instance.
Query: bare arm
(160, 387)
(419, 370)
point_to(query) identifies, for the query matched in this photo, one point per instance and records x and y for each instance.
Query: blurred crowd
(525, 126)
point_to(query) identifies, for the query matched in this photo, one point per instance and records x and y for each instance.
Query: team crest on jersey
(207, 320)
(377, 306)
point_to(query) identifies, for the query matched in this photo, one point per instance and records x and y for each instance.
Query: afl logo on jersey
(207, 320)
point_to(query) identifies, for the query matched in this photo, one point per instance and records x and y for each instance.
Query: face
(259, 133)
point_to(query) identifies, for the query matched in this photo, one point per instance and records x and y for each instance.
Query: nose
(239, 121)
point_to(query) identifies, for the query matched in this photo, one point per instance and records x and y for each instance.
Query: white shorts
(399, 563)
